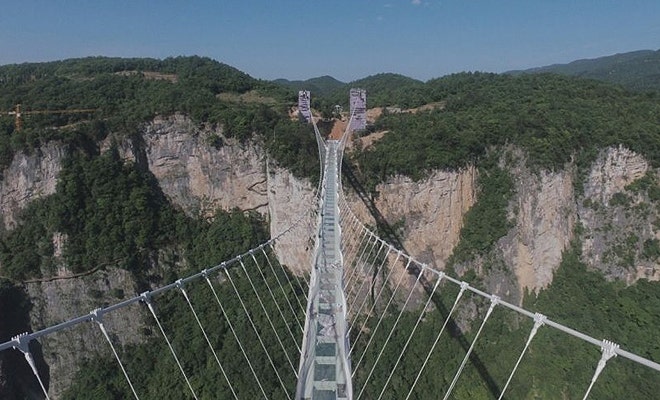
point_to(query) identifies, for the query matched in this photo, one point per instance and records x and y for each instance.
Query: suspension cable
(373, 282)
(389, 336)
(22, 342)
(365, 279)
(208, 341)
(380, 318)
(233, 331)
(493, 302)
(254, 327)
(270, 322)
(539, 320)
(356, 269)
(608, 350)
(351, 266)
(146, 297)
(272, 296)
(464, 286)
(97, 316)
(412, 333)
(286, 297)
(302, 290)
(373, 305)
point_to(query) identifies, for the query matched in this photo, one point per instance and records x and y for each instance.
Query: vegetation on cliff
(128, 92)
(553, 119)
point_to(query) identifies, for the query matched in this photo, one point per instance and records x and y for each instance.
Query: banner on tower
(304, 105)
(358, 101)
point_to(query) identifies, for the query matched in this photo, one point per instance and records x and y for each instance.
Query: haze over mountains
(636, 70)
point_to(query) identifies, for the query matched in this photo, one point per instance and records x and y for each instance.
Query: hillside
(637, 70)
(320, 86)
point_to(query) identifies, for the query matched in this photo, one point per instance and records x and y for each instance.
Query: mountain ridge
(636, 70)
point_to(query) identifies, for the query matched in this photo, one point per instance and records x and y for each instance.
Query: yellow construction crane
(18, 113)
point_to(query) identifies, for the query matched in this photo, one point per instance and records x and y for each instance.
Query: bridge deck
(325, 370)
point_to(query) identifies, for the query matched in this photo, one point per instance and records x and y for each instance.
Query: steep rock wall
(30, 176)
(59, 300)
(200, 178)
(544, 209)
(616, 221)
(290, 201)
(428, 213)
(196, 177)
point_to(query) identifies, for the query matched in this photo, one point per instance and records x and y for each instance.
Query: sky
(348, 40)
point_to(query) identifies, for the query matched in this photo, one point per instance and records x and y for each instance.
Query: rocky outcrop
(200, 178)
(290, 206)
(428, 214)
(30, 176)
(57, 300)
(614, 223)
(612, 172)
(544, 211)
(617, 222)
(195, 176)
(200, 171)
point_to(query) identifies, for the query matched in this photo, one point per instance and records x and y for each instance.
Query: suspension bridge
(347, 330)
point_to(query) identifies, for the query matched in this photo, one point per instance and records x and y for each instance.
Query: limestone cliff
(30, 176)
(618, 220)
(546, 209)
(195, 176)
(428, 213)
(199, 171)
(58, 300)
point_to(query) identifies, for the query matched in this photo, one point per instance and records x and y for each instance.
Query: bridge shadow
(388, 233)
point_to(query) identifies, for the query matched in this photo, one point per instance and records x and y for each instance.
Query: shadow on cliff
(386, 232)
(16, 378)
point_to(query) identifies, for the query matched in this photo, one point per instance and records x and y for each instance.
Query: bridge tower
(304, 106)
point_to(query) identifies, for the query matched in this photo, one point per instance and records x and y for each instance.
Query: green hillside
(637, 70)
(320, 86)
(553, 118)
(128, 92)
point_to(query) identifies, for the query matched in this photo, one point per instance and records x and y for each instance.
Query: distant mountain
(386, 89)
(320, 86)
(637, 70)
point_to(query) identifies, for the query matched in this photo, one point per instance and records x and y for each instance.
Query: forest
(114, 214)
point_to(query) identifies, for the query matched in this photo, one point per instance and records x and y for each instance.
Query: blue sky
(349, 40)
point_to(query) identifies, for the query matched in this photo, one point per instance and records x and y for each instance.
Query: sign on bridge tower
(304, 108)
(358, 101)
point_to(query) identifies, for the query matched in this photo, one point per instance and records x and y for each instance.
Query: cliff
(615, 223)
(614, 216)
(196, 177)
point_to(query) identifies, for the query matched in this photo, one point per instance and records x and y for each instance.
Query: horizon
(420, 39)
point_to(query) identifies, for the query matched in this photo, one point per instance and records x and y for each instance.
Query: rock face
(615, 223)
(196, 177)
(200, 178)
(617, 220)
(29, 177)
(291, 201)
(61, 299)
(428, 213)
(544, 209)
